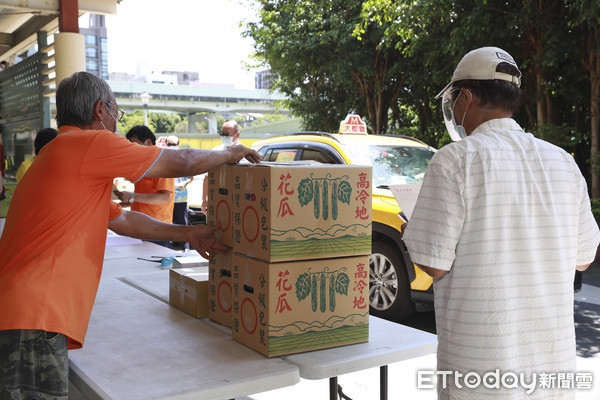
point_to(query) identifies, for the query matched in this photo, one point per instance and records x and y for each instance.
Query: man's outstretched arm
(141, 226)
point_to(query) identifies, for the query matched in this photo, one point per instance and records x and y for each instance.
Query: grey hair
(76, 97)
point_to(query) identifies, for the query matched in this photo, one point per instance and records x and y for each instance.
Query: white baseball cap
(480, 64)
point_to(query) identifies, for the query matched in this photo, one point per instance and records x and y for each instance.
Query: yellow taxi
(396, 284)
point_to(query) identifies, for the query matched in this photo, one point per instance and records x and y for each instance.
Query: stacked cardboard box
(220, 299)
(291, 307)
(220, 196)
(220, 211)
(188, 290)
(189, 262)
(285, 212)
(301, 238)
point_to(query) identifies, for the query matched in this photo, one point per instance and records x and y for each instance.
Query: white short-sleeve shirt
(509, 217)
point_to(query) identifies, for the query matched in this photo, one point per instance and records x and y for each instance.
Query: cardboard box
(220, 298)
(220, 208)
(188, 290)
(291, 307)
(285, 212)
(189, 262)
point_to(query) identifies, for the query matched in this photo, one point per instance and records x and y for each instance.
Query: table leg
(333, 388)
(383, 382)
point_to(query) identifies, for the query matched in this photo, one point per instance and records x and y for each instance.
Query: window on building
(91, 65)
(104, 49)
(91, 39)
(91, 52)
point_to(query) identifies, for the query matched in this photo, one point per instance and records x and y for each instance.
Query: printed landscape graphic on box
(326, 195)
(319, 293)
(344, 331)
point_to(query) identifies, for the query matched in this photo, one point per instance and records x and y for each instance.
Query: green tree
(267, 119)
(159, 123)
(130, 120)
(164, 123)
(387, 59)
(325, 70)
(433, 36)
(585, 20)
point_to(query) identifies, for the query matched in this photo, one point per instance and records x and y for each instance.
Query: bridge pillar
(192, 120)
(212, 123)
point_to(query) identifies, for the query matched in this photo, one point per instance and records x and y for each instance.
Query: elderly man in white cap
(502, 222)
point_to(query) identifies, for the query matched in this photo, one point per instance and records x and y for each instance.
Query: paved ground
(403, 375)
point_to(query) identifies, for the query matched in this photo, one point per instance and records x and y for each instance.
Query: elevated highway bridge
(192, 100)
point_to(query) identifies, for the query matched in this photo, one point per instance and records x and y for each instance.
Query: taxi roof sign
(353, 124)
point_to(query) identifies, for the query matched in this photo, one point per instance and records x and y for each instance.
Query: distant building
(162, 78)
(93, 28)
(263, 79)
(184, 77)
(120, 76)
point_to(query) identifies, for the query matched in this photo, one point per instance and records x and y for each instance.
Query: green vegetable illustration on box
(310, 189)
(315, 285)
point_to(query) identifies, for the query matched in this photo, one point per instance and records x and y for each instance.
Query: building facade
(263, 79)
(93, 27)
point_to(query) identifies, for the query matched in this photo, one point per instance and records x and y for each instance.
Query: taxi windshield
(392, 165)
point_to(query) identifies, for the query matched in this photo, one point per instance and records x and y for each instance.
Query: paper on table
(406, 196)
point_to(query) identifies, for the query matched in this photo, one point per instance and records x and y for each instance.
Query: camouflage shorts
(33, 365)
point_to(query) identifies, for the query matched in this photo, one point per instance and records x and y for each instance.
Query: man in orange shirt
(152, 196)
(51, 251)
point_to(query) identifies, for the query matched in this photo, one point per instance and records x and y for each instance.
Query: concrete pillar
(193, 119)
(69, 53)
(212, 123)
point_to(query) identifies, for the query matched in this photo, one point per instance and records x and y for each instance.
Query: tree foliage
(158, 122)
(164, 123)
(325, 71)
(387, 59)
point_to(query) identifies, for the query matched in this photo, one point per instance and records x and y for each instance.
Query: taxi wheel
(389, 290)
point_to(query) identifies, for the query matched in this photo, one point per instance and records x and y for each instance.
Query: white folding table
(388, 343)
(139, 347)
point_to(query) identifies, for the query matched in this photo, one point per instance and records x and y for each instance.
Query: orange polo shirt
(162, 212)
(52, 247)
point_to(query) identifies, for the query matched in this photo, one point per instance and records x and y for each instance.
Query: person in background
(502, 222)
(43, 137)
(230, 135)
(172, 141)
(180, 209)
(152, 196)
(62, 210)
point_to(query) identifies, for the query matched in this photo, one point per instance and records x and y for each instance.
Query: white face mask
(227, 141)
(457, 132)
(116, 129)
(113, 117)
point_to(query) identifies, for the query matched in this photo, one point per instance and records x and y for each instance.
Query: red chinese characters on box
(285, 211)
(290, 307)
(285, 191)
(363, 197)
